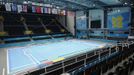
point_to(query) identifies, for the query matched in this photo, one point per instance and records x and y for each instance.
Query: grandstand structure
(66, 37)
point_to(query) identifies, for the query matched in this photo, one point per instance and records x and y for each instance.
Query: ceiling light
(57, 7)
(118, 10)
(25, 2)
(52, 3)
(132, 4)
(125, 3)
(94, 5)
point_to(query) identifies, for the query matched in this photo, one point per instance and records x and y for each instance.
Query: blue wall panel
(81, 24)
(119, 21)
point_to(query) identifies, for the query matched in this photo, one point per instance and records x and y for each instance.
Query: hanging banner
(33, 9)
(49, 10)
(38, 9)
(45, 10)
(19, 8)
(62, 12)
(118, 21)
(24, 8)
(54, 11)
(42, 11)
(8, 6)
(14, 7)
(70, 13)
(58, 11)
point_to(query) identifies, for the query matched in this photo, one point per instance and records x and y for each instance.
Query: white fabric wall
(97, 14)
(70, 22)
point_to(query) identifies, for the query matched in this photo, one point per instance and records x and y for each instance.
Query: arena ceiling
(78, 4)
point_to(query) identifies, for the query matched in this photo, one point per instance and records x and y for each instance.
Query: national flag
(54, 11)
(8, 6)
(46, 10)
(33, 9)
(49, 10)
(62, 12)
(58, 11)
(19, 8)
(14, 7)
(24, 8)
(42, 11)
(70, 13)
(38, 9)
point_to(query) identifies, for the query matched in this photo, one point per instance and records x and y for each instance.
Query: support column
(105, 18)
(1, 27)
(132, 22)
(87, 16)
(1, 24)
(66, 18)
(75, 31)
(105, 22)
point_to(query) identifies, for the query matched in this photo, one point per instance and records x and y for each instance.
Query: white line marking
(34, 60)
(28, 56)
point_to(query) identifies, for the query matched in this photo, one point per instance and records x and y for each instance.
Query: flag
(49, 10)
(54, 11)
(33, 9)
(42, 11)
(58, 11)
(64, 12)
(8, 7)
(45, 10)
(70, 13)
(19, 8)
(14, 7)
(38, 9)
(24, 8)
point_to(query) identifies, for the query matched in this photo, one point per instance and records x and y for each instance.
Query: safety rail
(103, 34)
(26, 38)
(78, 60)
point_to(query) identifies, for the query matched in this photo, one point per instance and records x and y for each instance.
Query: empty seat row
(107, 64)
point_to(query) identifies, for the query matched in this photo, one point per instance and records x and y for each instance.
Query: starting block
(28, 32)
